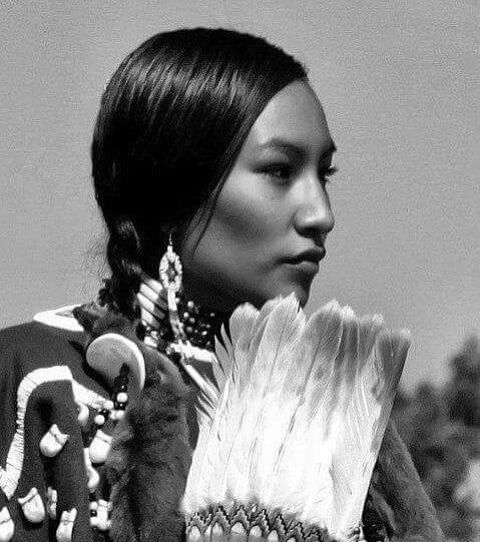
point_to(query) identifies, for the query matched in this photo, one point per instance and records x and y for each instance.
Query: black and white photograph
(240, 271)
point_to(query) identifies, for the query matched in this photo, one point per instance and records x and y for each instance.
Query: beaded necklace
(199, 327)
(199, 324)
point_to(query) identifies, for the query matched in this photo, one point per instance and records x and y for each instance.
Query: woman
(210, 144)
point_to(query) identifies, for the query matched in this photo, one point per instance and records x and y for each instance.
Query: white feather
(300, 414)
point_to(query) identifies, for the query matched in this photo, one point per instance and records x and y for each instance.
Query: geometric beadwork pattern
(241, 525)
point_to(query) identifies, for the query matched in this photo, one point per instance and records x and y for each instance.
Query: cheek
(238, 257)
(246, 219)
(240, 247)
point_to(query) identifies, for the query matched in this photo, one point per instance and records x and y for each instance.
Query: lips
(306, 264)
(313, 255)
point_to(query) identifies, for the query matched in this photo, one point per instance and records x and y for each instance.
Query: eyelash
(282, 172)
(329, 173)
(279, 171)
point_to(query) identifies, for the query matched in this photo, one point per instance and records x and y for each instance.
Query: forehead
(294, 114)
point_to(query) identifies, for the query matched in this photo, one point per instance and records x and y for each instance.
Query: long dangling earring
(170, 274)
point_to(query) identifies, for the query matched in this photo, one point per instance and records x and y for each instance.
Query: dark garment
(151, 451)
(47, 360)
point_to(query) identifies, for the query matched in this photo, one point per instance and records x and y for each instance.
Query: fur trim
(399, 496)
(149, 462)
(150, 453)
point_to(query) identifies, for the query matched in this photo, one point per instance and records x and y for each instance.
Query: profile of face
(266, 235)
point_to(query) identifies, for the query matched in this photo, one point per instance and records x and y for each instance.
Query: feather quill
(300, 414)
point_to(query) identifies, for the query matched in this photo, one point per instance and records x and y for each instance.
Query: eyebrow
(294, 149)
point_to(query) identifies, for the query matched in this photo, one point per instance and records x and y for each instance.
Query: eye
(279, 172)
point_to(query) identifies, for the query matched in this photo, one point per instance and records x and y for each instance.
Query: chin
(302, 292)
(302, 295)
(281, 288)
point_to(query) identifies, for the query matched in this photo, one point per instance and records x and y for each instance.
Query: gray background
(400, 85)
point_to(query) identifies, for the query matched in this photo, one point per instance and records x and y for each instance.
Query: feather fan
(300, 414)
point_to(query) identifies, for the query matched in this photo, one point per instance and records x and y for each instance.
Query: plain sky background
(400, 85)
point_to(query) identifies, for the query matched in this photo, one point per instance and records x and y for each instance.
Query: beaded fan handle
(243, 524)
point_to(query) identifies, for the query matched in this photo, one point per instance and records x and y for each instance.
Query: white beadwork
(52, 499)
(65, 527)
(122, 397)
(86, 396)
(7, 528)
(93, 507)
(32, 506)
(93, 478)
(10, 475)
(99, 447)
(103, 523)
(83, 414)
(117, 415)
(61, 318)
(99, 419)
(170, 262)
(53, 441)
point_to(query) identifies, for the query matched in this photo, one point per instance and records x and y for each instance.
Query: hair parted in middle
(172, 121)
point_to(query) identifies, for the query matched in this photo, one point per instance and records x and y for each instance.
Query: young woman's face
(267, 234)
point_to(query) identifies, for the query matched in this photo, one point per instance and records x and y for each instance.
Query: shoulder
(49, 401)
(35, 342)
(35, 336)
(53, 340)
(45, 324)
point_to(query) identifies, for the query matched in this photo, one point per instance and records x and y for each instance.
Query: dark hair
(172, 121)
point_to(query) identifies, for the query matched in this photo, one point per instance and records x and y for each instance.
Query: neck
(209, 299)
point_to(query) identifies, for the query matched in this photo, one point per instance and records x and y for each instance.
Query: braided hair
(172, 121)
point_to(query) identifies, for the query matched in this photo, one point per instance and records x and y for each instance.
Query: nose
(314, 217)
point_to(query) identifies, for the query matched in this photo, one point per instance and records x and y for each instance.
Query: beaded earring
(188, 325)
(170, 273)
